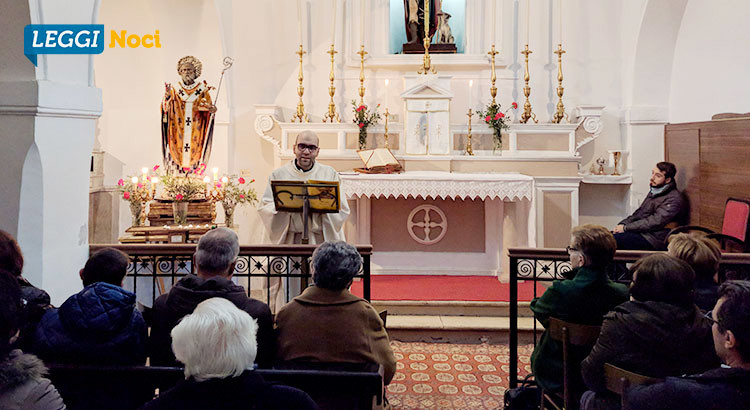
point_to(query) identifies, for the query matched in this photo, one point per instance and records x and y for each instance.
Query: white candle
(144, 170)
(333, 28)
(299, 19)
(528, 19)
(493, 16)
(560, 7)
(471, 85)
(362, 22)
(386, 92)
(216, 174)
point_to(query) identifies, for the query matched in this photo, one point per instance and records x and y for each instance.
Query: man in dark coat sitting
(664, 208)
(727, 387)
(98, 325)
(215, 257)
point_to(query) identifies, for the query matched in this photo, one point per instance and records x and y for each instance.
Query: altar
(427, 222)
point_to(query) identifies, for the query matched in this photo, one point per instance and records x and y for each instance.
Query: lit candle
(144, 170)
(216, 173)
(560, 7)
(155, 180)
(224, 180)
(333, 28)
(362, 22)
(471, 85)
(134, 180)
(528, 19)
(493, 15)
(299, 19)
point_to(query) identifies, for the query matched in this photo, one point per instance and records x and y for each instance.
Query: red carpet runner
(463, 288)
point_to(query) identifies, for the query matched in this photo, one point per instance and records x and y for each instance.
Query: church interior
(470, 149)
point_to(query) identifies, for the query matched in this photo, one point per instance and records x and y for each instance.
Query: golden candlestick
(331, 115)
(560, 109)
(527, 113)
(493, 77)
(144, 195)
(300, 115)
(362, 53)
(385, 133)
(426, 65)
(469, 150)
(214, 195)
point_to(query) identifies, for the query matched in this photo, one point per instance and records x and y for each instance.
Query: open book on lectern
(289, 196)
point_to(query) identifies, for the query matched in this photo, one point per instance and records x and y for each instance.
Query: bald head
(306, 149)
(217, 252)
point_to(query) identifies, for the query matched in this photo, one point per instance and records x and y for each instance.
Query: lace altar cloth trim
(424, 184)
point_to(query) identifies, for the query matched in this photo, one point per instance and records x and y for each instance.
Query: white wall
(711, 60)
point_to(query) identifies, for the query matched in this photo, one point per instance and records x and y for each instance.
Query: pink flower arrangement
(241, 180)
(120, 182)
(179, 197)
(495, 119)
(126, 195)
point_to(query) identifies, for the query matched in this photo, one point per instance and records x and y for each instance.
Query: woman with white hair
(218, 347)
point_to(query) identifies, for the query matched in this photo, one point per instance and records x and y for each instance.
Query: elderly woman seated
(218, 347)
(326, 323)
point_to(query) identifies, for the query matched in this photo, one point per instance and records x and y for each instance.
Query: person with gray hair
(217, 345)
(326, 323)
(214, 260)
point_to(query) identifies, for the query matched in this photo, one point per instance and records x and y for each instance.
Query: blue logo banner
(62, 39)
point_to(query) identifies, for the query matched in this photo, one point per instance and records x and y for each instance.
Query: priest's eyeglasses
(303, 147)
(709, 315)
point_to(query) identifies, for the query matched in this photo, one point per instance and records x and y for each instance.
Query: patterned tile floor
(452, 376)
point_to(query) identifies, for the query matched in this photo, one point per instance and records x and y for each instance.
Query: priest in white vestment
(286, 227)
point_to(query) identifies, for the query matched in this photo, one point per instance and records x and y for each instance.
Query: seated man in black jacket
(664, 206)
(727, 387)
(214, 259)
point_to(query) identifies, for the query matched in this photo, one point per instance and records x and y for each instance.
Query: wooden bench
(331, 385)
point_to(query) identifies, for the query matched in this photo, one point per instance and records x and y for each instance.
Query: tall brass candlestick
(331, 115)
(493, 77)
(527, 113)
(362, 53)
(469, 150)
(560, 109)
(385, 133)
(426, 65)
(300, 115)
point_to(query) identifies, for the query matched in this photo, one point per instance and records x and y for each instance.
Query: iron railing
(161, 265)
(546, 265)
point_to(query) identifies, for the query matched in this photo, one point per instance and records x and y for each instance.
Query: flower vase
(229, 216)
(497, 143)
(135, 209)
(363, 138)
(179, 210)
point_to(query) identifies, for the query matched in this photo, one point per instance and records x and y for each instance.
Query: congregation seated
(726, 387)
(217, 345)
(98, 325)
(22, 382)
(583, 299)
(658, 333)
(326, 323)
(663, 208)
(215, 258)
(703, 255)
(35, 300)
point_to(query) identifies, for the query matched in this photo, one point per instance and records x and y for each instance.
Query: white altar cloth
(434, 184)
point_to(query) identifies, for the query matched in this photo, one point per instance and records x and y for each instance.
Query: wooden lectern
(306, 197)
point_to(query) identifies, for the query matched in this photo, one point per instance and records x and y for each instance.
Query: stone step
(450, 308)
(458, 329)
